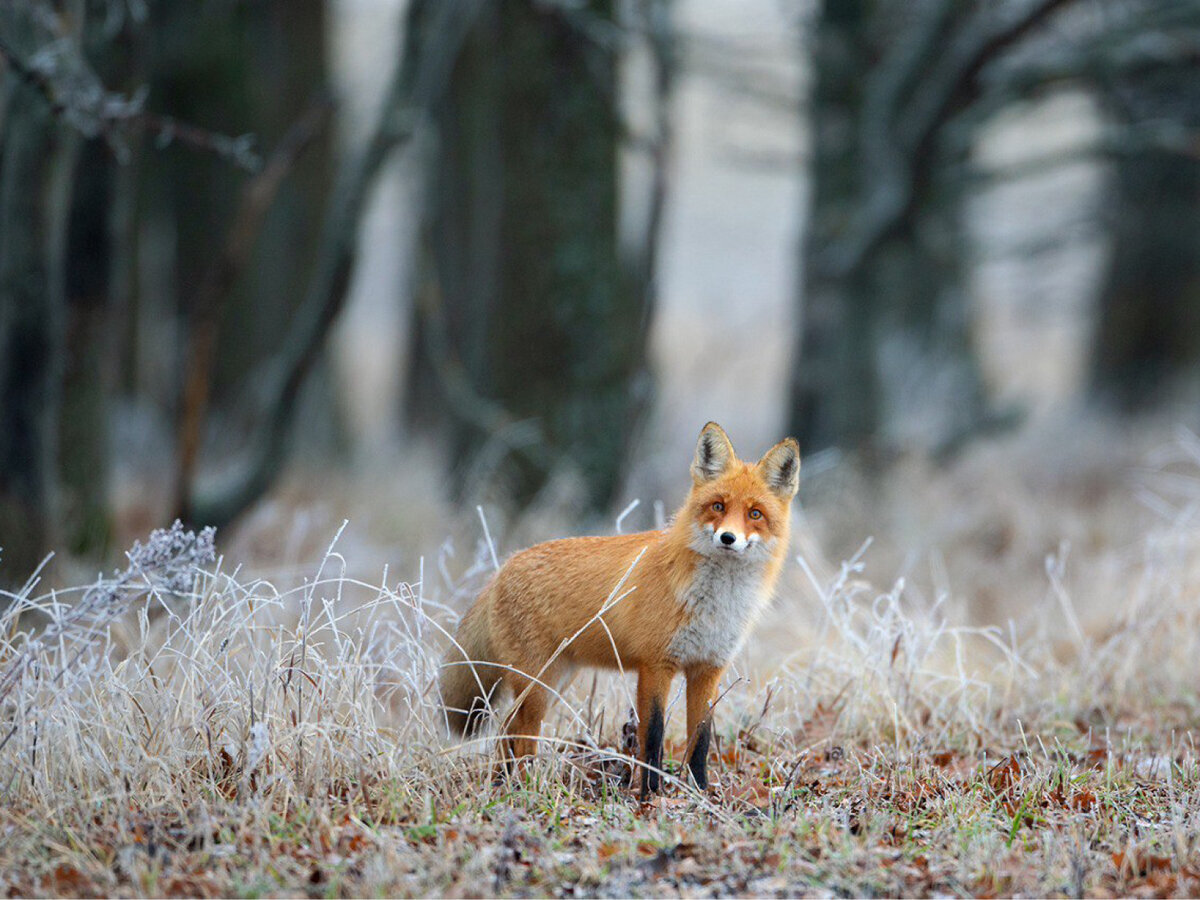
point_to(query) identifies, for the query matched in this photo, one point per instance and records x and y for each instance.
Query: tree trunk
(528, 316)
(259, 75)
(249, 68)
(1148, 334)
(83, 424)
(884, 354)
(35, 166)
(835, 386)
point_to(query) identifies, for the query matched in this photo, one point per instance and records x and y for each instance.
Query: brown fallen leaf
(67, 879)
(1140, 865)
(1003, 775)
(1083, 800)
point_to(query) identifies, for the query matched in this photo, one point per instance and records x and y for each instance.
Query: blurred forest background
(392, 260)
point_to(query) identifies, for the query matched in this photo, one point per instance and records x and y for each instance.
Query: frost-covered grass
(185, 727)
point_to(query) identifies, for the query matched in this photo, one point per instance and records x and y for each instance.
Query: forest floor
(206, 728)
(1070, 814)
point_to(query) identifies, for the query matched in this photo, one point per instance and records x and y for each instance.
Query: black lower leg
(698, 762)
(503, 767)
(652, 753)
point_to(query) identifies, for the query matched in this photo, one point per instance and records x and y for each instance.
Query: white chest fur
(722, 603)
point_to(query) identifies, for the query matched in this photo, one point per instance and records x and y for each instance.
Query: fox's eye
(718, 506)
(756, 514)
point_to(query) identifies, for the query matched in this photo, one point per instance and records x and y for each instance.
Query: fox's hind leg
(525, 720)
(653, 685)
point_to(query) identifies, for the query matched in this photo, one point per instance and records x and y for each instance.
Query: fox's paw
(651, 784)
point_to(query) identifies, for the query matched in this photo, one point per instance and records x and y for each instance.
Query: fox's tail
(468, 685)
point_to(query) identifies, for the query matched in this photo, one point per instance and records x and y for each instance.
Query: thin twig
(116, 118)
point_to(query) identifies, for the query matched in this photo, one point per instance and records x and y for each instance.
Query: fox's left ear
(780, 467)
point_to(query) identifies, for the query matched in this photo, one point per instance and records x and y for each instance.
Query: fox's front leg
(702, 684)
(653, 685)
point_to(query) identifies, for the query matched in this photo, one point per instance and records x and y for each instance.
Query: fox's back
(548, 593)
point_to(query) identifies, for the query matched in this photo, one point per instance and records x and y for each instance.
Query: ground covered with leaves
(182, 728)
(1078, 818)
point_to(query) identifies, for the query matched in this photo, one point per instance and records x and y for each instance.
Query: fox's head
(740, 508)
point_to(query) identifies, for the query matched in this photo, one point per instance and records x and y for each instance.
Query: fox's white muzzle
(732, 541)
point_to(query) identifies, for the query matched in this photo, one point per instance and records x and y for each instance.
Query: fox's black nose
(728, 537)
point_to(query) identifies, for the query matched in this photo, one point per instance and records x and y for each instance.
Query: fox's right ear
(714, 453)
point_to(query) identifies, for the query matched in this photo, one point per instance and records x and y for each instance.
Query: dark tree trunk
(932, 382)
(1148, 334)
(528, 317)
(835, 385)
(259, 74)
(35, 172)
(884, 352)
(286, 64)
(83, 424)
(246, 68)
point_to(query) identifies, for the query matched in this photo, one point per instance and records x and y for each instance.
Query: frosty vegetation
(183, 727)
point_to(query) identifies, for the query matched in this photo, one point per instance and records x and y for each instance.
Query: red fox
(690, 601)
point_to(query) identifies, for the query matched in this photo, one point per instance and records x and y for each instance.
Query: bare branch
(1119, 53)
(61, 75)
(938, 94)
